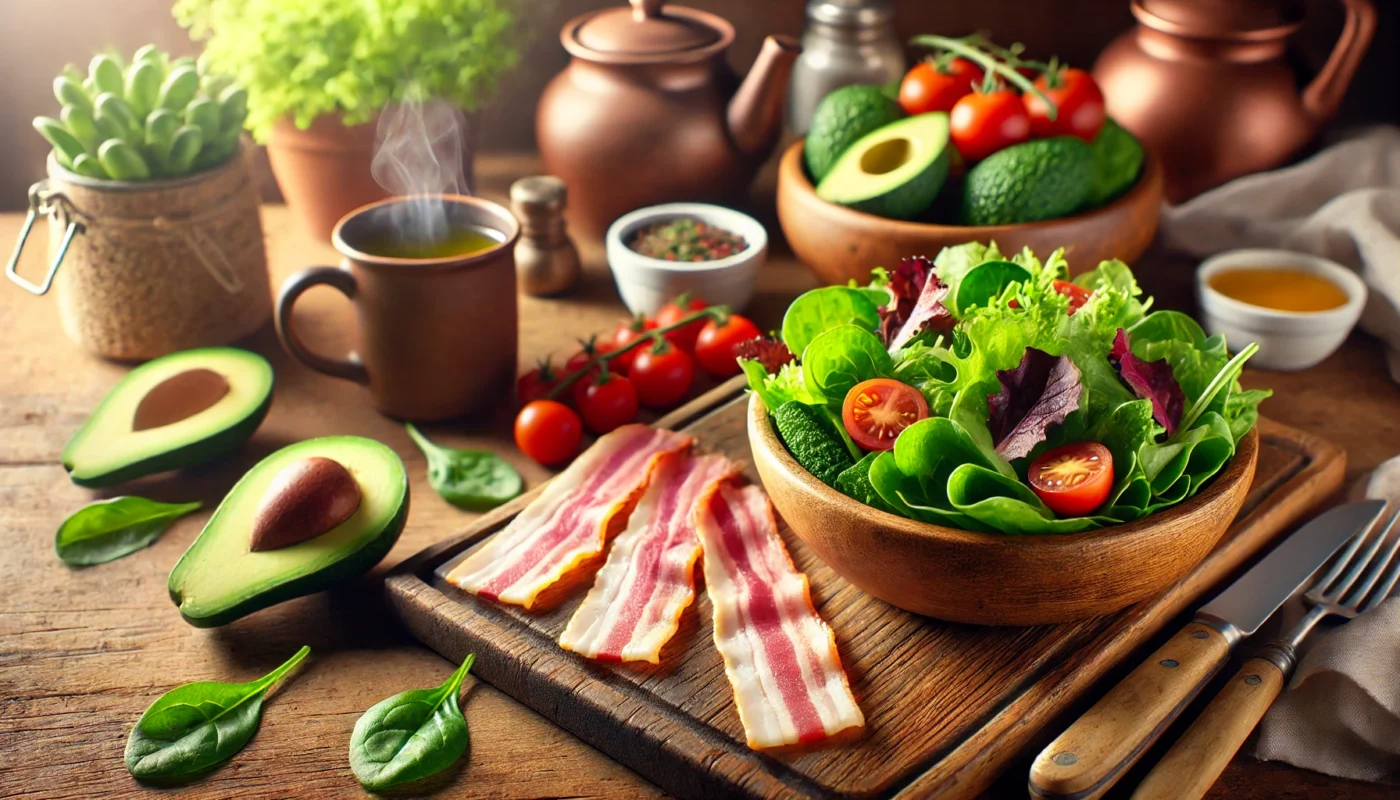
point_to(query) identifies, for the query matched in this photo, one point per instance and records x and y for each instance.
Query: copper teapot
(648, 111)
(1204, 83)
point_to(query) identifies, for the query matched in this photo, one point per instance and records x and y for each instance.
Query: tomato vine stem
(716, 313)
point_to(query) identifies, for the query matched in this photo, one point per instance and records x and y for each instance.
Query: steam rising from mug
(419, 152)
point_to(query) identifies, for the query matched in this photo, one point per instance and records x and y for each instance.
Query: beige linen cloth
(1341, 711)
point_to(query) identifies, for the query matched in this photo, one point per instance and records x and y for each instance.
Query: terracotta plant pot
(841, 244)
(324, 171)
(994, 578)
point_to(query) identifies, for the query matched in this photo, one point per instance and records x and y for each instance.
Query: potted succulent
(152, 215)
(318, 72)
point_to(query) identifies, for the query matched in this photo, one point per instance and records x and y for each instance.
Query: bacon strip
(569, 522)
(636, 602)
(779, 655)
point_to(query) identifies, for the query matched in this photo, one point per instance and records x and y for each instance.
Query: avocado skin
(1028, 182)
(843, 117)
(1117, 161)
(220, 444)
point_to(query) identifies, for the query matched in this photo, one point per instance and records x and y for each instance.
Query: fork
(1357, 582)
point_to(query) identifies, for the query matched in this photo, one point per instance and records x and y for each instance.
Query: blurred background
(40, 36)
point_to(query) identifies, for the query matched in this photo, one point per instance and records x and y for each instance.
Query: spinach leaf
(840, 358)
(1007, 505)
(1242, 410)
(985, 283)
(411, 735)
(820, 310)
(854, 482)
(109, 529)
(194, 728)
(472, 479)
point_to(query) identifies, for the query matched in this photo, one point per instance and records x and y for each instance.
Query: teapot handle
(1322, 97)
(643, 10)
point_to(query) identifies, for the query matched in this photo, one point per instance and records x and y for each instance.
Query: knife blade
(1089, 757)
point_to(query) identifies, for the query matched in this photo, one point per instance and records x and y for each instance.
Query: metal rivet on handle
(1200, 635)
(1066, 759)
(1170, 663)
(1253, 680)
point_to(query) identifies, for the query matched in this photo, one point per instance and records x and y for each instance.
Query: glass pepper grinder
(845, 42)
(546, 261)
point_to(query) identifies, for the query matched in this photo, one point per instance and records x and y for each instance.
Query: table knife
(1094, 752)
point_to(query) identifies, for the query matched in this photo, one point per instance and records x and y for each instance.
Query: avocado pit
(179, 397)
(307, 498)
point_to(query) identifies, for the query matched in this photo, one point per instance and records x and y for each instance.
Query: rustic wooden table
(83, 651)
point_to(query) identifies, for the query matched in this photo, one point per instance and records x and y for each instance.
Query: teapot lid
(1225, 18)
(646, 33)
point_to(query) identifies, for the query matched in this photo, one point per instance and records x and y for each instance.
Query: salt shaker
(845, 42)
(546, 261)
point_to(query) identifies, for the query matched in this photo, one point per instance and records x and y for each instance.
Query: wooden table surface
(84, 651)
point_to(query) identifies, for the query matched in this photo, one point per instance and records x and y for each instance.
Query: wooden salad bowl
(992, 578)
(840, 244)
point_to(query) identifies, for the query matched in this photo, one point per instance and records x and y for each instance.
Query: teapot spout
(756, 110)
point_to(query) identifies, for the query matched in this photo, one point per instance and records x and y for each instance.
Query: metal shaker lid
(850, 13)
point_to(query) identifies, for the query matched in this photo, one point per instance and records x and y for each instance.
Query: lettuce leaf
(1040, 392)
(1150, 380)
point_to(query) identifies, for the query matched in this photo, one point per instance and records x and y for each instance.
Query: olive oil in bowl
(1279, 288)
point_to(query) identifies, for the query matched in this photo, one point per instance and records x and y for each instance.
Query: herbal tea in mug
(463, 241)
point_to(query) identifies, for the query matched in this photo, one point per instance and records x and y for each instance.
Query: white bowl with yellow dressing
(1298, 307)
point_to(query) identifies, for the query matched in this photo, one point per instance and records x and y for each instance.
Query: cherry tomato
(661, 375)
(607, 402)
(1073, 480)
(937, 85)
(1077, 294)
(548, 431)
(982, 124)
(1078, 100)
(878, 410)
(536, 383)
(627, 333)
(714, 348)
(674, 312)
(589, 349)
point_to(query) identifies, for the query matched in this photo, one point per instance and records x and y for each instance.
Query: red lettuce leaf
(766, 350)
(1041, 392)
(1149, 380)
(916, 303)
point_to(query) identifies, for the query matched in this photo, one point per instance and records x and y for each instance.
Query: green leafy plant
(472, 479)
(411, 735)
(152, 118)
(302, 59)
(109, 529)
(194, 728)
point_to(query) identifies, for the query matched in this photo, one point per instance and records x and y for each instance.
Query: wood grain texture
(1187, 771)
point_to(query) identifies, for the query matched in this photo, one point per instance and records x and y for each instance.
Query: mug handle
(349, 369)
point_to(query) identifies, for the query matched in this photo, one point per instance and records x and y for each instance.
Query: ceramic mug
(436, 337)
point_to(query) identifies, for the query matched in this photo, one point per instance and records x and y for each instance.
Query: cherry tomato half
(607, 402)
(674, 312)
(878, 410)
(715, 346)
(536, 383)
(937, 85)
(1077, 294)
(661, 375)
(1073, 480)
(548, 431)
(627, 333)
(982, 124)
(1078, 100)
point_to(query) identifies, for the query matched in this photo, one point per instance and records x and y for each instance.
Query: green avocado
(1028, 182)
(896, 171)
(1117, 162)
(841, 118)
(221, 578)
(175, 411)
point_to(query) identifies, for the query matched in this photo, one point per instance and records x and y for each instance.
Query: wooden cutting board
(947, 706)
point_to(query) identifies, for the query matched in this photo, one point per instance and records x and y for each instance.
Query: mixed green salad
(992, 393)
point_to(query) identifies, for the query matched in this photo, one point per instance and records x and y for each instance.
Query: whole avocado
(1117, 162)
(1032, 181)
(842, 117)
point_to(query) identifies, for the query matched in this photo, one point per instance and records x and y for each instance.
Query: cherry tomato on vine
(1077, 294)
(714, 347)
(607, 402)
(937, 85)
(1073, 480)
(674, 312)
(983, 123)
(662, 375)
(1078, 100)
(878, 410)
(627, 333)
(536, 383)
(548, 431)
(589, 349)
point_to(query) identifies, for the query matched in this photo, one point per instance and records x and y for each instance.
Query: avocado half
(894, 172)
(220, 578)
(175, 411)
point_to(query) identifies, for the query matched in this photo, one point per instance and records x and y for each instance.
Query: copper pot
(649, 112)
(1205, 84)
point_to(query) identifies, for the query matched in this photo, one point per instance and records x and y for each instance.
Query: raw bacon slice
(569, 522)
(779, 655)
(636, 602)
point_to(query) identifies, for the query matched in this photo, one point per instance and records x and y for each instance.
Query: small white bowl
(1288, 340)
(646, 284)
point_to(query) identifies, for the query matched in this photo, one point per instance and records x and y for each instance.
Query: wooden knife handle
(1089, 757)
(1187, 771)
